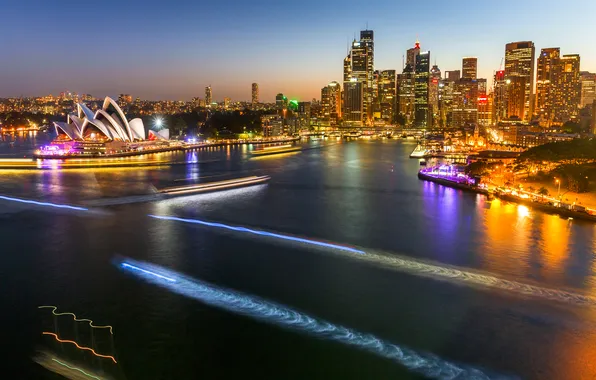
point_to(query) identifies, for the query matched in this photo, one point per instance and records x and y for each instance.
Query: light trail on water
(435, 271)
(75, 369)
(54, 312)
(428, 365)
(43, 204)
(258, 232)
(79, 347)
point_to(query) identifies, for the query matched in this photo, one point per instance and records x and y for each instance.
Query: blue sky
(172, 50)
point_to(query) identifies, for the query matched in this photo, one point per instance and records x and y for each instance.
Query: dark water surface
(363, 194)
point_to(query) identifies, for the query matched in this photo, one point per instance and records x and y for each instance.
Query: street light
(559, 191)
(158, 122)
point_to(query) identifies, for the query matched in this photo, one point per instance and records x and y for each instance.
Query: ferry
(418, 152)
(278, 149)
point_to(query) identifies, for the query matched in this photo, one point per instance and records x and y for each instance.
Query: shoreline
(545, 207)
(162, 150)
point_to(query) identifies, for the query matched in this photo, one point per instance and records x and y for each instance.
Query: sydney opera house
(107, 131)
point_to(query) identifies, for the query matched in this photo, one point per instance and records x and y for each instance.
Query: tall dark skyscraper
(255, 93)
(499, 97)
(433, 92)
(353, 103)
(281, 101)
(208, 96)
(519, 74)
(421, 91)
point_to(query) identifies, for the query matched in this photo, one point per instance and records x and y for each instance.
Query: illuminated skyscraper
(208, 96)
(465, 103)
(227, 102)
(387, 95)
(412, 53)
(433, 92)
(421, 114)
(519, 70)
(588, 94)
(331, 103)
(484, 109)
(356, 70)
(499, 97)
(469, 67)
(405, 94)
(566, 90)
(281, 101)
(367, 39)
(544, 72)
(255, 93)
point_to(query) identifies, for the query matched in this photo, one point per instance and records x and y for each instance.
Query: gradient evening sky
(173, 49)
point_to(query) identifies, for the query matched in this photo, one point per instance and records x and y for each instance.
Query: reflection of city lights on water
(429, 365)
(523, 211)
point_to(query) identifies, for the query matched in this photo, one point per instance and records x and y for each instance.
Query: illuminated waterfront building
(469, 68)
(331, 103)
(273, 125)
(566, 89)
(422, 117)
(544, 72)
(519, 72)
(255, 93)
(387, 95)
(405, 94)
(208, 96)
(588, 88)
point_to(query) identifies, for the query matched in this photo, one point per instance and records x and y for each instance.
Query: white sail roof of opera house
(109, 121)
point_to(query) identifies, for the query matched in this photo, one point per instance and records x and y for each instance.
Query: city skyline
(164, 56)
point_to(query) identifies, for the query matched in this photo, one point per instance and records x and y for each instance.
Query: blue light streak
(45, 204)
(125, 265)
(261, 233)
(428, 365)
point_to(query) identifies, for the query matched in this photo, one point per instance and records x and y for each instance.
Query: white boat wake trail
(479, 279)
(428, 365)
(414, 267)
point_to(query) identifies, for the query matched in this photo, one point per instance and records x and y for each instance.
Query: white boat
(418, 152)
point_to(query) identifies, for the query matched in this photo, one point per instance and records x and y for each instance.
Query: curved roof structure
(109, 120)
(68, 129)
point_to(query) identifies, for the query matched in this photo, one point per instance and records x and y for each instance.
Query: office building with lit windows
(544, 84)
(422, 117)
(499, 97)
(387, 95)
(353, 113)
(588, 89)
(469, 68)
(519, 73)
(566, 88)
(331, 104)
(405, 94)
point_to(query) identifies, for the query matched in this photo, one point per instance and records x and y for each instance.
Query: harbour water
(492, 288)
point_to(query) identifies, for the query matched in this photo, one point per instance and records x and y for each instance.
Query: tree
(543, 191)
(531, 189)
